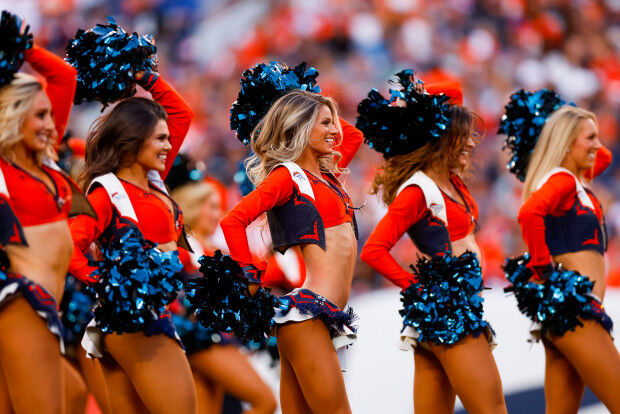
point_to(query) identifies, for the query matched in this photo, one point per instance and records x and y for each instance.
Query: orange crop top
(293, 217)
(409, 213)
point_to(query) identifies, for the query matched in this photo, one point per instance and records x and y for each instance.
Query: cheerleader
(421, 182)
(128, 153)
(300, 150)
(563, 226)
(37, 199)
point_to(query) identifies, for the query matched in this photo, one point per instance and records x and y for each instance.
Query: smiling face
(38, 129)
(324, 134)
(154, 149)
(582, 153)
(210, 214)
(465, 155)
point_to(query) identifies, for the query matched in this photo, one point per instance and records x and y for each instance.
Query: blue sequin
(107, 59)
(261, 86)
(13, 44)
(525, 116)
(395, 130)
(559, 302)
(444, 304)
(221, 301)
(136, 283)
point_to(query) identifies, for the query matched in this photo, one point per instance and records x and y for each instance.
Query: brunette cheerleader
(562, 222)
(427, 146)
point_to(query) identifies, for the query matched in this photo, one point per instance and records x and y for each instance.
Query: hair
(555, 140)
(16, 99)
(191, 197)
(284, 132)
(114, 139)
(443, 154)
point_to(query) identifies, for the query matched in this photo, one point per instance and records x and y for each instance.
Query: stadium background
(493, 47)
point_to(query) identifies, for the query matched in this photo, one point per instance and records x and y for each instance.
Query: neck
(310, 162)
(572, 167)
(440, 176)
(135, 174)
(23, 157)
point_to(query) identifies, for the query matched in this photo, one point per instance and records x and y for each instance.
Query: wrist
(146, 79)
(251, 273)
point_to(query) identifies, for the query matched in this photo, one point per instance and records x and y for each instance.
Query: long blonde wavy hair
(284, 132)
(443, 154)
(16, 99)
(555, 140)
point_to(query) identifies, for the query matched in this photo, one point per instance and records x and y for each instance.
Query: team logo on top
(298, 176)
(436, 208)
(118, 196)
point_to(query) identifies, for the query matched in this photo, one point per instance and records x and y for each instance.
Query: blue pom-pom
(395, 130)
(261, 86)
(242, 180)
(444, 304)
(12, 46)
(222, 301)
(136, 283)
(559, 302)
(107, 59)
(75, 310)
(525, 116)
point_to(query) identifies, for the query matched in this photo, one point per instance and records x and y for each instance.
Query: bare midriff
(329, 272)
(167, 247)
(46, 258)
(467, 243)
(588, 263)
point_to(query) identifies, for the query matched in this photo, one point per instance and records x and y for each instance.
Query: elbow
(367, 255)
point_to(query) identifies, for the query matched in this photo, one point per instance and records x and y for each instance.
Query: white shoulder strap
(155, 179)
(3, 188)
(434, 199)
(581, 192)
(118, 195)
(300, 178)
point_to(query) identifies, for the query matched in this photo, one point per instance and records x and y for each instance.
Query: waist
(587, 262)
(467, 243)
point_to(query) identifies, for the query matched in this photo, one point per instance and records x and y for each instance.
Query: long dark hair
(114, 139)
(443, 154)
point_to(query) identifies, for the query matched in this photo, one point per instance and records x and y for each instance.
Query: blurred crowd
(493, 47)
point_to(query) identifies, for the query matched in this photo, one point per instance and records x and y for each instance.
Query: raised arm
(407, 209)
(60, 78)
(352, 139)
(85, 230)
(275, 190)
(180, 115)
(553, 198)
(602, 161)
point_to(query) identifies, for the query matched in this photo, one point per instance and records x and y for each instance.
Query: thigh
(591, 351)
(121, 394)
(75, 389)
(291, 398)
(5, 401)
(308, 348)
(472, 371)
(563, 385)
(432, 392)
(93, 375)
(209, 397)
(158, 369)
(225, 365)
(31, 360)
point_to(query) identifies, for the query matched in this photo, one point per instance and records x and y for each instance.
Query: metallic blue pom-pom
(12, 46)
(261, 86)
(525, 116)
(444, 304)
(107, 59)
(222, 301)
(137, 281)
(394, 129)
(75, 309)
(559, 303)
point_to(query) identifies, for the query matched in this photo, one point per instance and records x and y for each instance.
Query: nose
(167, 145)
(597, 143)
(470, 142)
(333, 129)
(49, 122)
